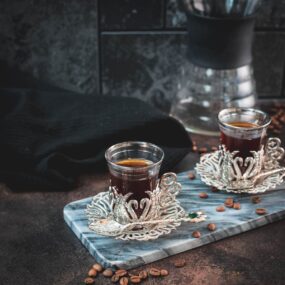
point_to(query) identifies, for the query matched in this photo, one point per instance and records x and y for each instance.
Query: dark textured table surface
(36, 246)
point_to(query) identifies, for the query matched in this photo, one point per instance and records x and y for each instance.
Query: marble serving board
(114, 253)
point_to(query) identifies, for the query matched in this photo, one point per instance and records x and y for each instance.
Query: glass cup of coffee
(134, 167)
(243, 129)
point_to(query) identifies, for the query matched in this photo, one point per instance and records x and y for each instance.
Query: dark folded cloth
(48, 138)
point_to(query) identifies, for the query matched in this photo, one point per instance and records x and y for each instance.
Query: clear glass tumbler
(243, 129)
(134, 167)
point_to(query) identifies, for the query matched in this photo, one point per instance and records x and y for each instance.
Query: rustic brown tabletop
(36, 247)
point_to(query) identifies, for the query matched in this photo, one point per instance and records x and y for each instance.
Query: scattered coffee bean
(108, 272)
(214, 148)
(124, 281)
(115, 278)
(211, 227)
(135, 279)
(260, 211)
(255, 199)
(203, 195)
(89, 280)
(202, 150)
(196, 234)
(121, 272)
(229, 202)
(191, 176)
(237, 206)
(277, 132)
(214, 189)
(220, 209)
(154, 272)
(163, 272)
(92, 272)
(143, 274)
(180, 263)
(98, 267)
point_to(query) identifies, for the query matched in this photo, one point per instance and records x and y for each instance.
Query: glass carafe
(203, 92)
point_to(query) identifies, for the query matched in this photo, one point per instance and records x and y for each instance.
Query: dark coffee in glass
(134, 169)
(243, 130)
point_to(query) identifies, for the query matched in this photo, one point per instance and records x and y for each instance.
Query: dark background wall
(123, 47)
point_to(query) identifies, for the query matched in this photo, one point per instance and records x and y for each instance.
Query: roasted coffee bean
(191, 176)
(154, 272)
(211, 227)
(89, 280)
(124, 281)
(194, 148)
(260, 211)
(229, 202)
(220, 209)
(214, 189)
(214, 148)
(121, 272)
(115, 278)
(135, 279)
(98, 267)
(108, 272)
(203, 195)
(143, 274)
(196, 234)
(237, 206)
(277, 132)
(255, 199)
(180, 263)
(163, 272)
(92, 272)
(202, 150)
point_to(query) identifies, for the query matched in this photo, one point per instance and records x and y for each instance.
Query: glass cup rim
(130, 143)
(267, 119)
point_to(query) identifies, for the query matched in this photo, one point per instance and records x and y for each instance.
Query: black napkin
(49, 138)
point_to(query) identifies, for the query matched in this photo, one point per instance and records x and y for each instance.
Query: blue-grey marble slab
(130, 254)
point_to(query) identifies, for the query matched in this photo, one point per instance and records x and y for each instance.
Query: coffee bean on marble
(211, 227)
(98, 267)
(143, 274)
(92, 272)
(179, 263)
(154, 272)
(237, 206)
(115, 278)
(203, 195)
(220, 209)
(124, 281)
(163, 272)
(196, 234)
(229, 202)
(255, 199)
(191, 176)
(135, 279)
(108, 272)
(121, 272)
(260, 211)
(89, 280)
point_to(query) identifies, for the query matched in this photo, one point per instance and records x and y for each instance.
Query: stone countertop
(37, 247)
